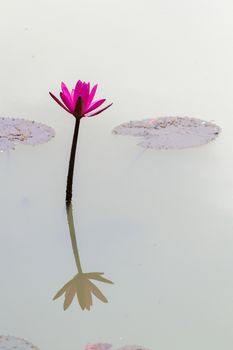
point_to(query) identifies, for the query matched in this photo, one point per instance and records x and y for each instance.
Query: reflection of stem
(69, 211)
(71, 163)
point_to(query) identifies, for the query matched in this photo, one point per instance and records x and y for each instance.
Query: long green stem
(72, 162)
(70, 219)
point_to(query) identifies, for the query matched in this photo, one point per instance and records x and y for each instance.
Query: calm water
(157, 223)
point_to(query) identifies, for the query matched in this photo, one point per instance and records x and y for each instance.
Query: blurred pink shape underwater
(79, 102)
(98, 346)
(105, 346)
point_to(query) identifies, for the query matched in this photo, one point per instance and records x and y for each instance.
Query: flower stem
(72, 162)
(70, 219)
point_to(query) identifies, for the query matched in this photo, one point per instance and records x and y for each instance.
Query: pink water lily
(80, 103)
(80, 100)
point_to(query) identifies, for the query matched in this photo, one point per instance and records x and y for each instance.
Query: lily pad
(13, 343)
(170, 132)
(15, 131)
(133, 347)
(104, 346)
(98, 346)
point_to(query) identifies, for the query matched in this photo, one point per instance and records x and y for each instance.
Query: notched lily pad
(13, 343)
(15, 131)
(170, 132)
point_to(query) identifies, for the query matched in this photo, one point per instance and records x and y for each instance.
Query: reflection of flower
(79, 101)
(83, 288)
(80, 284)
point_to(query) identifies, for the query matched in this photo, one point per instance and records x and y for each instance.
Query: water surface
(157, 223)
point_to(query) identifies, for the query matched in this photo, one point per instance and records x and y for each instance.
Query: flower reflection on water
(80, 285)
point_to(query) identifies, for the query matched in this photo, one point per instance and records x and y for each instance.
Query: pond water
(156, 223)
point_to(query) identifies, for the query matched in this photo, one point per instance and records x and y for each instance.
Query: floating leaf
(13, 343)
(15, 131)
(170, 132)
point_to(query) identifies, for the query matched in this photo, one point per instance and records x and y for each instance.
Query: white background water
(158, 223)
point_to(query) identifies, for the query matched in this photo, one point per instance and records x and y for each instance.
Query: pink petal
(78, 86)
(77, 90)
(98, 112)
(95, 105)
(82, 88)
(67, 101)
(59, 102)
(65, 90)
(85, 93)
(92, 95)
(82, 91)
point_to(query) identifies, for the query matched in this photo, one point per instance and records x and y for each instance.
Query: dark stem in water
(70, 219)
(72, 162)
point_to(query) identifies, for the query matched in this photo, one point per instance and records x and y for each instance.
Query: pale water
(157, 223)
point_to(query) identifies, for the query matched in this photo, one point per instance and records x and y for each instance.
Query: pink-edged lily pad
(98, 346)
(170, 132)
(104, 346)
(14, 131)
(13, 343)
(133, 347)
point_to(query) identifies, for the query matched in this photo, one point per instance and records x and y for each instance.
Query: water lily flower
(80, 101)
(83, 288)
